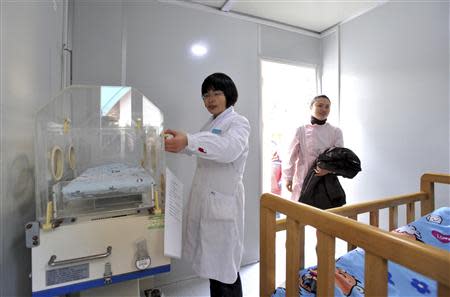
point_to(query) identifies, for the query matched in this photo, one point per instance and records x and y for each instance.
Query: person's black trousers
(219, 289)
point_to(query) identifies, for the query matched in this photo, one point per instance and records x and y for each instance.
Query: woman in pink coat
(309, 142)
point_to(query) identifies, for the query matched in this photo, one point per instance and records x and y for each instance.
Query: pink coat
(309, 142)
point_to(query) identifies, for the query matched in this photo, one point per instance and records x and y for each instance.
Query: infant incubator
(100, 187)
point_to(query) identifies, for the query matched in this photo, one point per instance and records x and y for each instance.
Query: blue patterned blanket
(433, 229)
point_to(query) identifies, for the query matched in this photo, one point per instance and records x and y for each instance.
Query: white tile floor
(250, 274)
(200, 287)
(249, 278)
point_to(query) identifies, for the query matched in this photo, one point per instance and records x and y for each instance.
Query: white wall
(151, 42)
(278, 44)
(97, 43)
(30, 47)
(395, 97)
(330, 73)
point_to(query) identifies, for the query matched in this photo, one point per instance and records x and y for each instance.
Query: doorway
(286, 91)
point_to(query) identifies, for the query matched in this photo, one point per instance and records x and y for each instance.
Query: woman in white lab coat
(215, 210)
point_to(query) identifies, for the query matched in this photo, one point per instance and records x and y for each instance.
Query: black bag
(322, 191)
(326, 191)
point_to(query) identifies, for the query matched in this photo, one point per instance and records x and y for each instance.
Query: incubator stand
(99, 190)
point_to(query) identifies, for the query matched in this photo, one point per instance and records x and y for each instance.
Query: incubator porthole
(57, 163)
(71, 157)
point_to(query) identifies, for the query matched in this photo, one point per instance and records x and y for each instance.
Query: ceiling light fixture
(199, 50)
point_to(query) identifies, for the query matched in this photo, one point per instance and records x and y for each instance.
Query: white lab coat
(215, 211)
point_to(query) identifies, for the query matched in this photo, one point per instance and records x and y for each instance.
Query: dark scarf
(317, 121)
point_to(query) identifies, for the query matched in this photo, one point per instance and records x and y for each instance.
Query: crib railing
(380, 245)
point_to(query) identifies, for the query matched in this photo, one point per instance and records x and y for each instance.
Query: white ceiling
(312, 15)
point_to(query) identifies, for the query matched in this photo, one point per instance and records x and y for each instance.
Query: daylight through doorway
(287, 90)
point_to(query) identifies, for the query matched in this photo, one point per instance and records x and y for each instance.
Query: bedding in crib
(108, 180)
(433, 229)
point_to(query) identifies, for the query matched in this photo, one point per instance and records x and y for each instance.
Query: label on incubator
(144, 263)
(156, 222)
(67, 274)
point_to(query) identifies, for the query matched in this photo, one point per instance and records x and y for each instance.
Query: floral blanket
(433, 229)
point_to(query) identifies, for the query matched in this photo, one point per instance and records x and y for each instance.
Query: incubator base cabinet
(100, 194)
(124, 235)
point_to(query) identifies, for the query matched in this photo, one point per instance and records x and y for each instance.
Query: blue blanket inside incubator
(108, 180)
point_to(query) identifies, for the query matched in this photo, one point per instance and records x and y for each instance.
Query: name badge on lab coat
(216, 131)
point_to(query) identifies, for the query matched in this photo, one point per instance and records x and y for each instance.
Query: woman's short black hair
(221, 82)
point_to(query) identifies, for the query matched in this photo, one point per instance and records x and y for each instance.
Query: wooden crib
(341, 222)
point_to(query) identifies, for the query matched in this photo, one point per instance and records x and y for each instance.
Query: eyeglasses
(213, 94)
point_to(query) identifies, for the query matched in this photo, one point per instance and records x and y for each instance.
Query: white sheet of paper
(173, 216)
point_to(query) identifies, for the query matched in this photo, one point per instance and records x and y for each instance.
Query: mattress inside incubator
(108, 180)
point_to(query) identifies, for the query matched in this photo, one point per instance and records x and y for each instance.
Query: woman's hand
(320, 171)
(289, 185)
(174, 141)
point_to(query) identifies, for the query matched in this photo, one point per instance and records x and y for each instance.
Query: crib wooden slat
(351, 246)
(393, 218)
(267, 251)
(375, 275)
(374, 218)
(410, 212)
(325, 264)
(281, 225)
(294, 255)
(443, 290)
(427, 186)
(302, 246)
